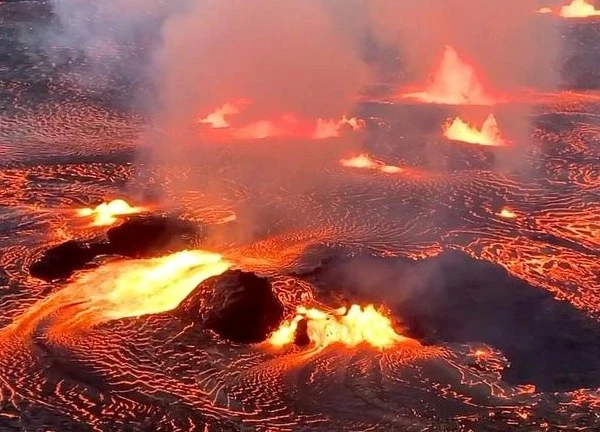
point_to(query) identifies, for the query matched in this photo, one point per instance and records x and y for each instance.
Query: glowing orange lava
(507, 213)
(365, 162)
(217, 118)
(544, 10)
(579, 9)
(489, 134)
(332, 128)
(349, 327)
(291, 127)
(124, 289)
(455, 82)
(285, 125)
(107, 213)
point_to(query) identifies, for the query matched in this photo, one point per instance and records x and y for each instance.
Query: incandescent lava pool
(221, 297)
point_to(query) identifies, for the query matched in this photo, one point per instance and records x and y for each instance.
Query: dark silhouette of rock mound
(301, 337)
(138, 237)
(147, 237)
(238, 306)
(60, 261)
(456, 298)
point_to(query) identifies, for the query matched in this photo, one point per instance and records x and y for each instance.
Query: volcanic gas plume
(295, 75)
(108, 213)
(488, 135)
(347, 326)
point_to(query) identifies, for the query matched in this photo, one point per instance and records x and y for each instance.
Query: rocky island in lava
(299, 216)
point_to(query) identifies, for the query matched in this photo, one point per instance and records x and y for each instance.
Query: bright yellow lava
(507, 213)
(579, 9)
(489, 135)
(350, 327)
(123, 289)
(106, 213)
(364, 161)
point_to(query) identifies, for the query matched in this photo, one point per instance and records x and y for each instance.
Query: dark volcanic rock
(138, 237)
(147, 237)
(243, 308)
(301, 337)
(61, 261)
(456, 298)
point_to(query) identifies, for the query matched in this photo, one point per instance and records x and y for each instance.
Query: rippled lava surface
(296, 208)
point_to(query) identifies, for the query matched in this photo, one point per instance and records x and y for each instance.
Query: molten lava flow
(364, 161)
(455, 82)
(217, 120)
(489, 134)
(507, 213)
(579, 9)
(350, 327)
(122, 289)
(106, 213)
(544, 10)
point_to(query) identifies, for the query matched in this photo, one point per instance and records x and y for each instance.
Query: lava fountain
(348, 326)
(217, 119)
(579, 9)
(123, 289)
(454, 82)
(107, 213)
(285, 125)
(289, 126)
(489, 135)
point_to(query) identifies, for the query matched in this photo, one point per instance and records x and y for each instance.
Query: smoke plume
(507, 40)
(279, 57)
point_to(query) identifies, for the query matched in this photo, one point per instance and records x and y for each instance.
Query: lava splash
(366, 162)
(107, 213)
(488, 135)
(218, 118)
(282, 126)
(348, 326)
(454, 82)
(579, 9)
(507, 213)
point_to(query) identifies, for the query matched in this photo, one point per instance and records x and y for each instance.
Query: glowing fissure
(488, 135)
(454, 82)
(107, 213)
(123, 289)
(349, 327)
